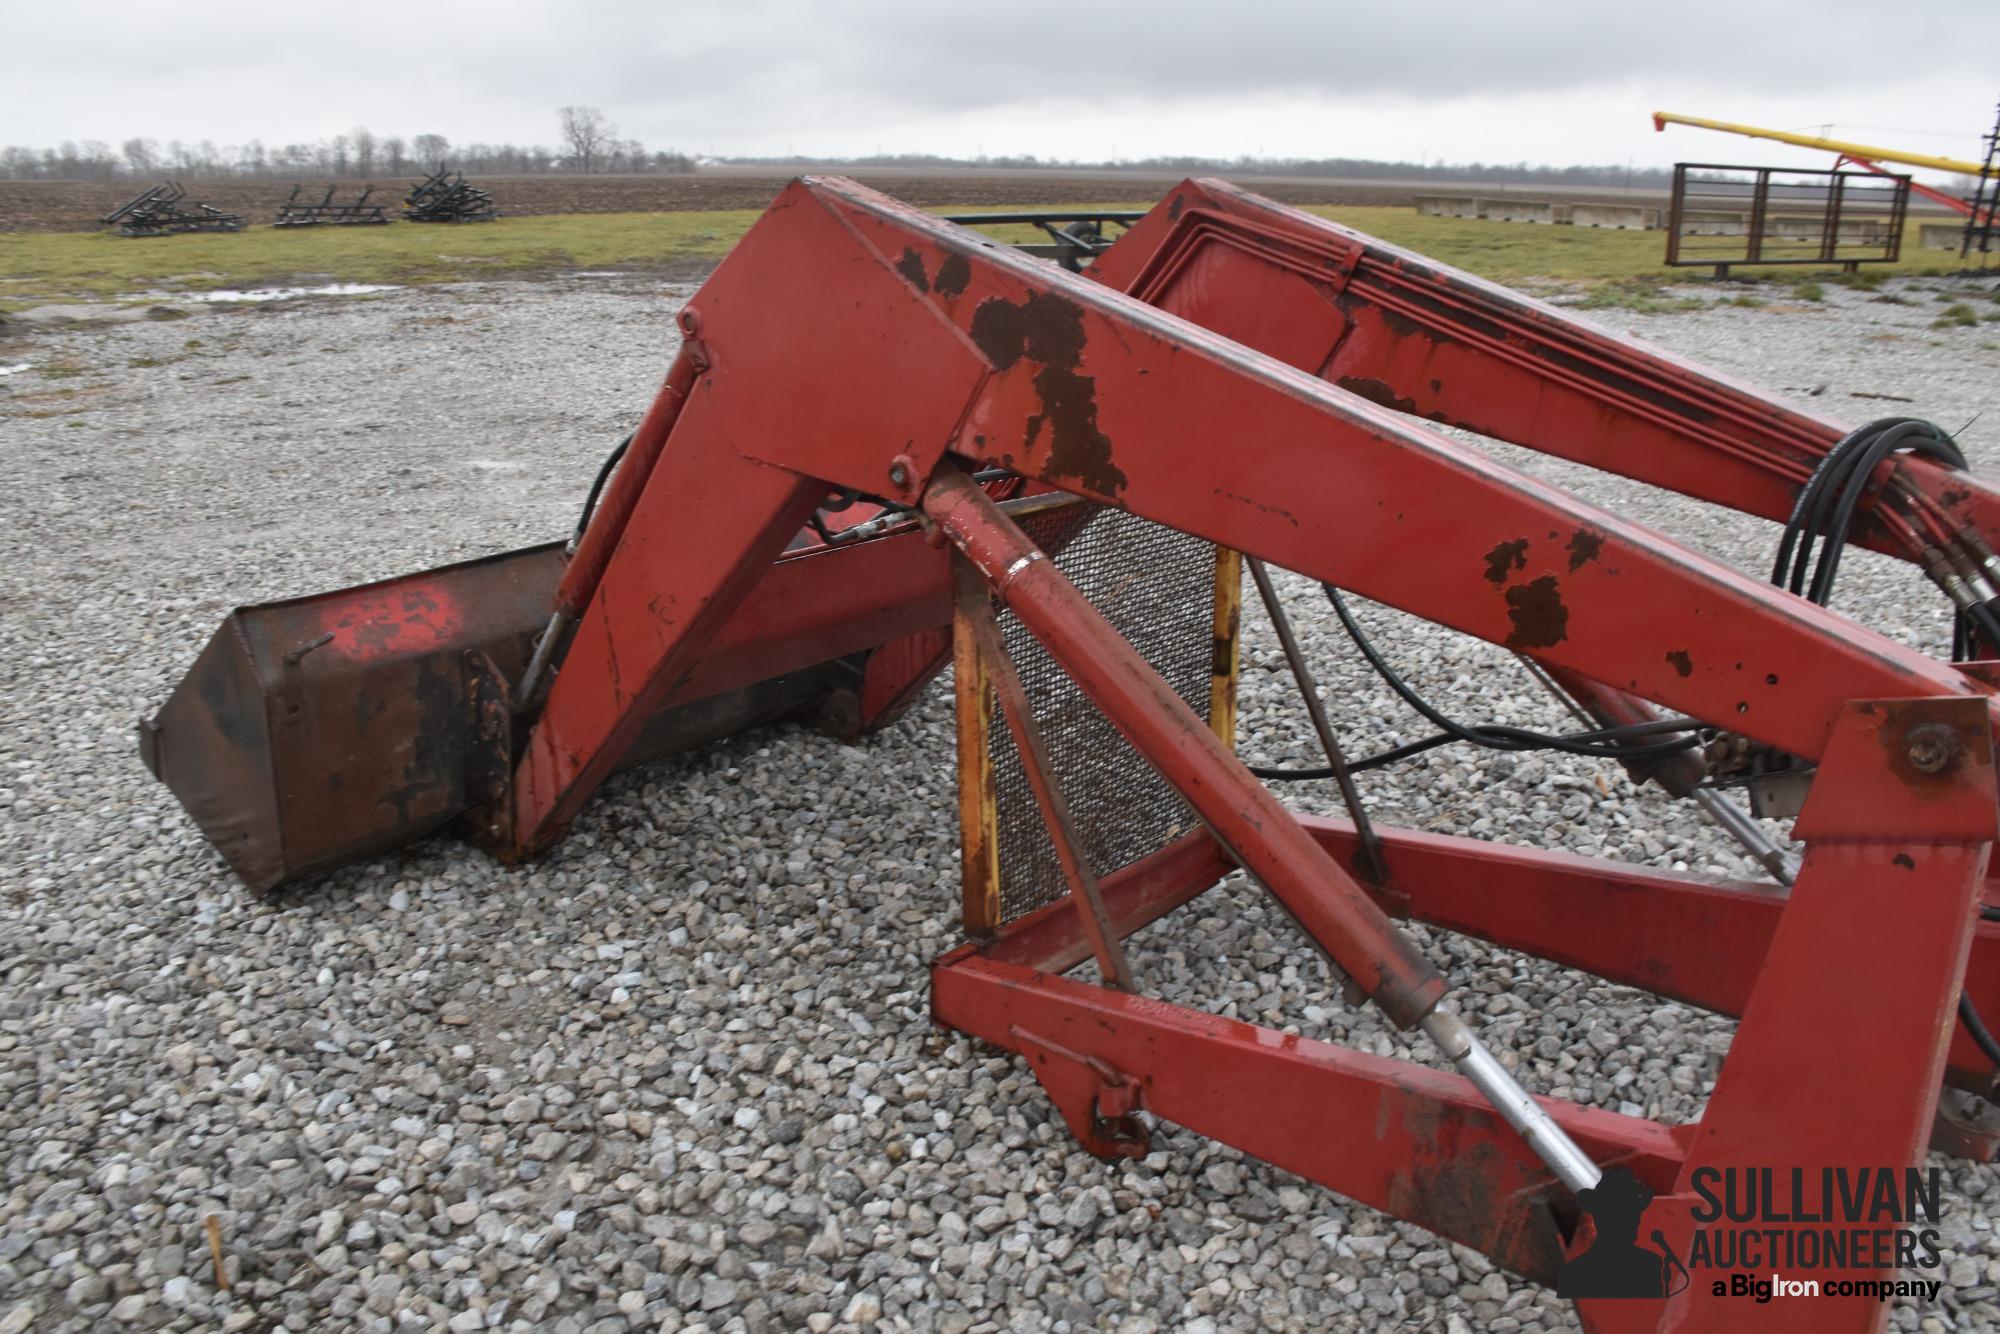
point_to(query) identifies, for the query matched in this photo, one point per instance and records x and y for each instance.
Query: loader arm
(1427, 339)
(934, 343)
(1420, 336)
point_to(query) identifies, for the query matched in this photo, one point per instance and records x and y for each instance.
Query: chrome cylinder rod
(1739, 825)
(1516, 1106)
(538, 665)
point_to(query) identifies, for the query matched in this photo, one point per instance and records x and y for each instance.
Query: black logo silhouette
(1616, 1265)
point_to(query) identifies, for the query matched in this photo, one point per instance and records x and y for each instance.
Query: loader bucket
(323, 730)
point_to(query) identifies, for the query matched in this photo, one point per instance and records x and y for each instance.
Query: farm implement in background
(886, 443)
(1981, 212)
(159, 211)
(444, 196)
(1721, 216)
(324, 212)
(1075, 237)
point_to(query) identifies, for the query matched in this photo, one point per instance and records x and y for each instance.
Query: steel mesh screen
(1156, 587)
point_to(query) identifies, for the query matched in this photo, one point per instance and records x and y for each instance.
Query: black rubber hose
(1788, 570)
(1825, 510)
(1968, 1014)
(597, 486)
(1377, 761)
(1982, 1036)
(1826, 503)
(1835, 511)
(1842, 517)
(1813, 509)
(1405, 751)
(1985, 622)
(1497, 737)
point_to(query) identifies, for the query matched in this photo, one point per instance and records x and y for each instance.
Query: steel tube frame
(1329, 905)
(1244, 816)
(1373, 868)
(1421, 1144)
(996, 665)
(941, 353)
(1091, 1046)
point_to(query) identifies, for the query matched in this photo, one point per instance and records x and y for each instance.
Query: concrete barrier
(1517, 210)
(1621, 217)
(1705, 222)
(1940, 235)
(1857, 231)
(1447, 206)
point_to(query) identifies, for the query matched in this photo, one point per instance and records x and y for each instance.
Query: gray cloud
(736, 75)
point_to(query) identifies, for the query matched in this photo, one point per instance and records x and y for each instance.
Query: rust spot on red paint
(1377, 391)
(1047, 328)
(997, 331)
(952, 276)
(1506, 558)
(1402, 325)
(1683, 663)
(1539, 616)
(911, 266)
(1584, 547)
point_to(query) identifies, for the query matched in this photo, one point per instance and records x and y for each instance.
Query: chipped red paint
(414, 618)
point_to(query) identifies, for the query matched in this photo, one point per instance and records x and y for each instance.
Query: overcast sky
(1545, 81)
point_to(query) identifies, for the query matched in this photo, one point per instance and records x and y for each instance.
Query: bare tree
(96, 161)
(392, 155)
(430, 149)
(363, 140)
(142, 155)
(588, 133)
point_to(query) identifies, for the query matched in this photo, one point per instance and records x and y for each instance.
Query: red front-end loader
(888, 443)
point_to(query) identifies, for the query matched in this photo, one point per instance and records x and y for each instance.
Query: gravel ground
(679, 1074)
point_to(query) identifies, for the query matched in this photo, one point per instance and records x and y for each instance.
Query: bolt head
(899, 474)
(1931, 747)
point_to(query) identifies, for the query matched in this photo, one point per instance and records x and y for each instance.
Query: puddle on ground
(230, 294)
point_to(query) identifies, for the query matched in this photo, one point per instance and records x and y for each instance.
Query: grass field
(37, 267)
